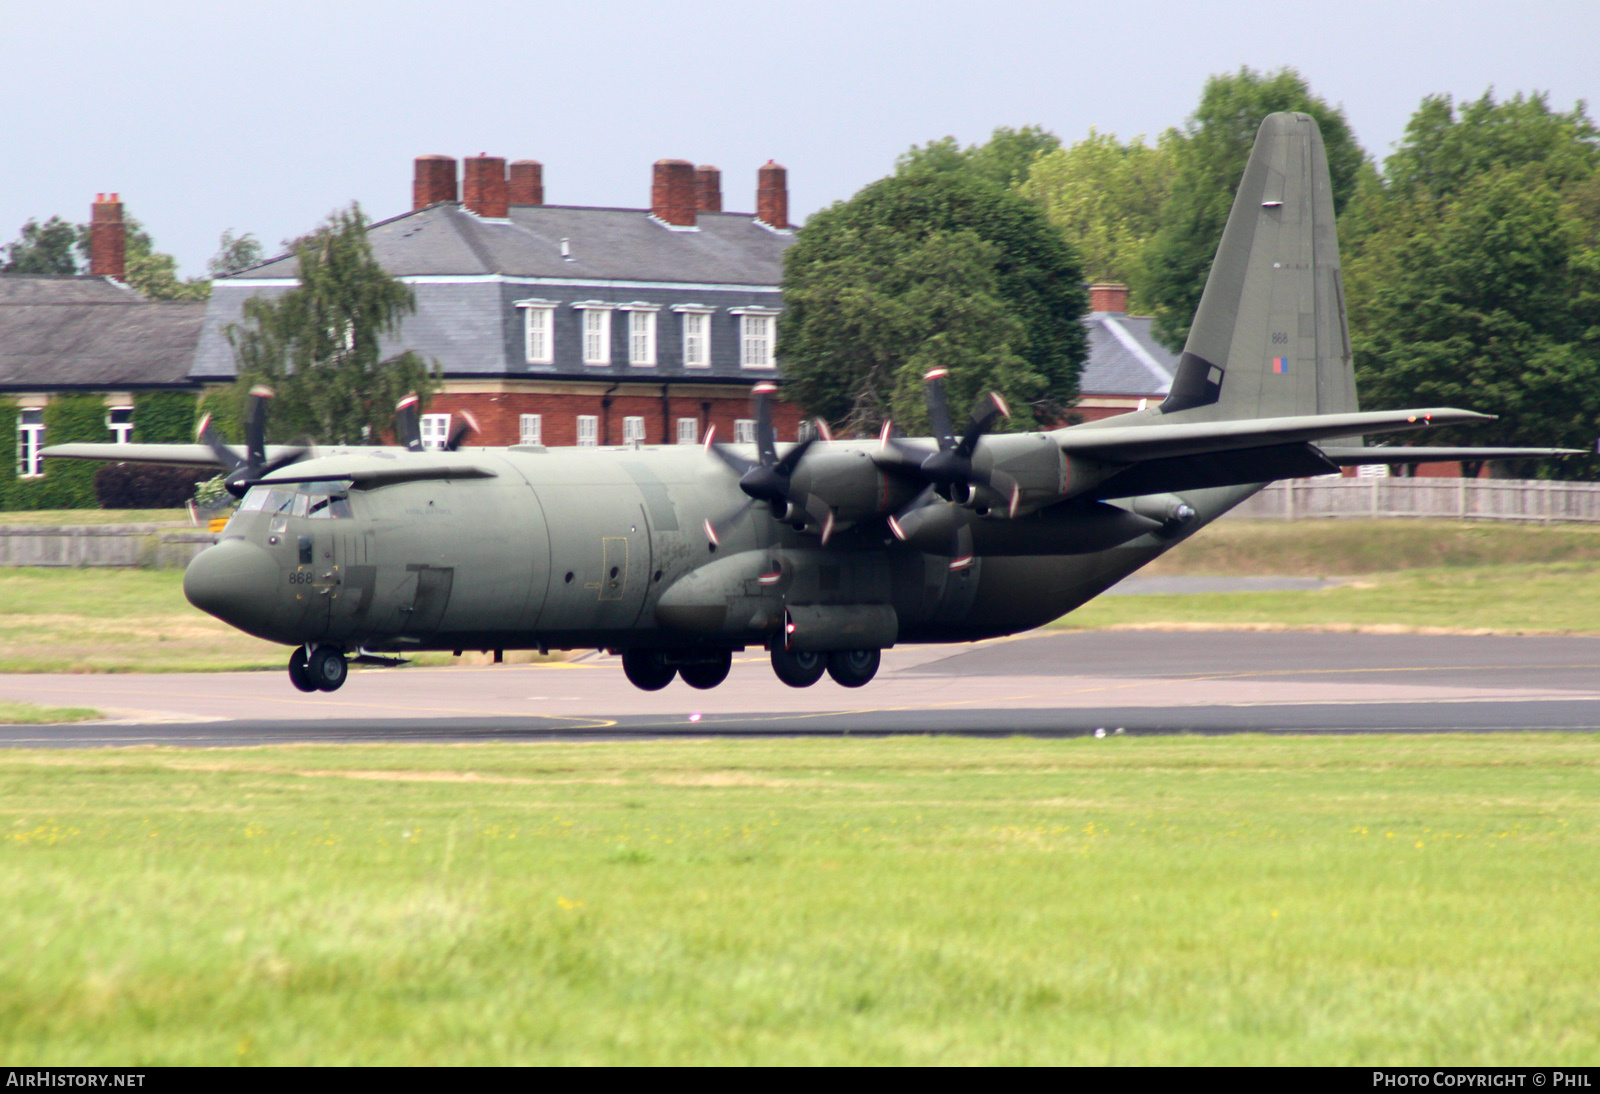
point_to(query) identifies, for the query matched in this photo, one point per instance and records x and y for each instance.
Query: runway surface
(1043, 683)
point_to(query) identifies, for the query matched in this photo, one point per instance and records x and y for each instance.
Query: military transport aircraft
(825, 552)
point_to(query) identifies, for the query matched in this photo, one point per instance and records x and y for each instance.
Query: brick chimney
(672, 192)
(708, 188)
(434, 181)
(1108, 296)
(483, 186)
(108, 238)
(772, 196)
(527, 183)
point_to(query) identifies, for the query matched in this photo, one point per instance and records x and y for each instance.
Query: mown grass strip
(1244, 900)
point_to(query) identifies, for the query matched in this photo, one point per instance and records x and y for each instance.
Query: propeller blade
(737, 463)
(988, 407)
(714, 528)
(226, 457)
(903, 524)
(961, 547)
(819, 512)
(792, 458)
(1004, 485)
(938, 410)
(255, 429)
(407, 427)
(766, 436)
(468, 425)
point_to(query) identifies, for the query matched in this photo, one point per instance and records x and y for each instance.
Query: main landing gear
(652, 670)
(802, 668)
(323, 669)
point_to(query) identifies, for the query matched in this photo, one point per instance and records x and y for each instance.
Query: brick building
(568, 325)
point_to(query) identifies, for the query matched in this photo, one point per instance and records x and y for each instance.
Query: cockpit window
(317, 500)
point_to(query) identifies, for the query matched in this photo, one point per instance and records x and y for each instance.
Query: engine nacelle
(828, 627)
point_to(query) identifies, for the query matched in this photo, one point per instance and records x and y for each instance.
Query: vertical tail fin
(1270, 337)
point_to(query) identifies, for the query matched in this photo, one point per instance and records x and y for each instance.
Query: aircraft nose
(236, 582)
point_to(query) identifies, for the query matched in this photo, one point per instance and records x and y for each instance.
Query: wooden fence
(1529, 501)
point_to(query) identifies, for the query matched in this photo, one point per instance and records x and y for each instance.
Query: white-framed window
(688, 430)
(806, 430)
(632, 430)
(596, 331)
(435, 430)
(757, 332)
(744, 431)
(30, 438)
(531, 429)
(119, 419)
(538, 331)
(641, 333)
(696, 324)
(588, 430)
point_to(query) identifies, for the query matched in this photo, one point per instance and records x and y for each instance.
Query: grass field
(1236, 900)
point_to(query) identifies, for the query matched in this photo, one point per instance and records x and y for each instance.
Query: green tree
(1004, 159)
(318, 344)
(1208, 158)
(931, 267)
(1444, 150)
(1476, 278)
(1106, 199)
(43, 248)
(234, 253)
(1479, 301)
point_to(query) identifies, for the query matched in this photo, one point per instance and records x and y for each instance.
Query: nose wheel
(323, 669)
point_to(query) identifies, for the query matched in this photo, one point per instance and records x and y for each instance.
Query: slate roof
(603, 245)
(90, 332)
(1124, 359)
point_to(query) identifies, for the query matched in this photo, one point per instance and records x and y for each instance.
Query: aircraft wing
(1154, 441)
(177, 455)
(1350, 457)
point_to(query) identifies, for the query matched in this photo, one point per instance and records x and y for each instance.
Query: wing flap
(1352, 457)
(1158, 440)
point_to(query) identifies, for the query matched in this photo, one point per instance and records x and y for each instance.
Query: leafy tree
(1476, 279)
(235, 253)
(1106, 198)
(930, 267)
(318, 344)
(1444, 150)
(43, 249)
(1004, 159)
(1208, 159)
(1479, 301)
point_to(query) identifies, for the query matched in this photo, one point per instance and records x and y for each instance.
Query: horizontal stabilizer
(1351, 457)
(1159, 440)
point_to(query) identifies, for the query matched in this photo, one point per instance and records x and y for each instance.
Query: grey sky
(266, 117)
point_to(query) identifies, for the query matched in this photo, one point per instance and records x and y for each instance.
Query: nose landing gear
(323, 669)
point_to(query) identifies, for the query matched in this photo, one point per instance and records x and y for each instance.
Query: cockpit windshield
(317, 500)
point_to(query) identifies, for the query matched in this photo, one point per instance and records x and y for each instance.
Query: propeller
(244, 470)
(467, 425)
(769, 479)
(949, 473)
(407, 426)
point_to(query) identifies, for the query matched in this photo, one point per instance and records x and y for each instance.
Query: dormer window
(596, 331)
(538, 331)
(696, 324)
(757, 333)
(641, 333)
